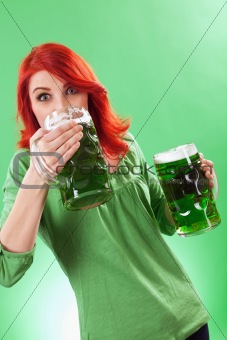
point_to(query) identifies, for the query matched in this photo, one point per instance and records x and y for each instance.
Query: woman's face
(48, 93)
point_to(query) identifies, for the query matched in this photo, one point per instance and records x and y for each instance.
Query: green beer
(84, 180)
(189, 197)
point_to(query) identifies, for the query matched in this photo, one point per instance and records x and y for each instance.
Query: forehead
(44, 78)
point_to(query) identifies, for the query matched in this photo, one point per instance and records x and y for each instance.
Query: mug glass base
(198, 232)
(87, 200)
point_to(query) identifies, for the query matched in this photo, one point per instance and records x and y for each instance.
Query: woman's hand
(60, 142)
(208, 167)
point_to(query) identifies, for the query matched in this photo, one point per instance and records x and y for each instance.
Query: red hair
(62, 62)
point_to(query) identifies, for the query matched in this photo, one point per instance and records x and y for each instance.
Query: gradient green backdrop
(137, 49)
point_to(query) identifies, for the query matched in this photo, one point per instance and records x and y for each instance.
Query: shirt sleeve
(14, 265)
(157, 197)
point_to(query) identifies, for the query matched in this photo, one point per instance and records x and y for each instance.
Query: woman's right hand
(62, 141)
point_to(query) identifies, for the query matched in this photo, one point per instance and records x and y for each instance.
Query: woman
(128, 284)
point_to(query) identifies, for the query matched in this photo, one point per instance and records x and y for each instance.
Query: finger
(62, 130)
(61, 135)
(67, 148)
(38, 134)
(208, 162)
(206, 168)
(71, 151)
(209, 175)
(211, 184)
(52, 156)
(67, 156)
(209, 166)
(70, 143)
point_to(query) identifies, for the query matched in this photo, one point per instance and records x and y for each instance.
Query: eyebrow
(41, 88)
(47, 88)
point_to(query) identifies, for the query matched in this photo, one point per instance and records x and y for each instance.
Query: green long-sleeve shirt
(128, 283)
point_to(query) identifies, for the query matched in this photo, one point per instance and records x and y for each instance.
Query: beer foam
(176, 154)
(62, 116)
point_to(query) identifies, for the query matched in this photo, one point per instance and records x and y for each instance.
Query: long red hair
(62, 62)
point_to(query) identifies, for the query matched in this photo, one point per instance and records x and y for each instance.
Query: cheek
(84, 100)
(40, 115)
(40, 121)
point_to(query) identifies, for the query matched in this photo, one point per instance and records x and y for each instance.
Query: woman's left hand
(208, 167)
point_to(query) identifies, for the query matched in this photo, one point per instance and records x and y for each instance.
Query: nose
(60, 101)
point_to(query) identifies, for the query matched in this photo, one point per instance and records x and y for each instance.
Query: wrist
(32, 178)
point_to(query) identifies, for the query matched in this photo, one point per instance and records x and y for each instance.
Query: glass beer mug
(190, 199)
(84, 180)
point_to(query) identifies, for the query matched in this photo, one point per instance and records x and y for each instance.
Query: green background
(137, 49)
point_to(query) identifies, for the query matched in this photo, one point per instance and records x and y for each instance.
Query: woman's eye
(71, 90)
(43, 96)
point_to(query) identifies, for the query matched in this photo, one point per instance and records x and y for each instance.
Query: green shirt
(127, 282)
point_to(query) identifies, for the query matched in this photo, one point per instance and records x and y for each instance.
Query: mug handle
(215, 189)
(45, 172)
(216, 185)
(42, 167)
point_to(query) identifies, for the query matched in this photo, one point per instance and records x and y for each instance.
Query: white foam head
(63, 115)
(176, 154)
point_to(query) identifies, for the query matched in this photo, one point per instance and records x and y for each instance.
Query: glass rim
(62, 115)
(175, 154)
(73, 108)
